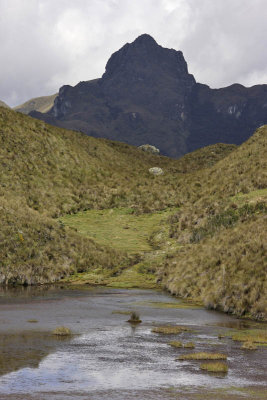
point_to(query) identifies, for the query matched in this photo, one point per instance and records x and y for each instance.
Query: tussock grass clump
(249, 346)
(251, 336)
(189, 345)
(134, 318)
(203, 356)
(176, 343)
(61, 331)
(214, 367)
(169, 330)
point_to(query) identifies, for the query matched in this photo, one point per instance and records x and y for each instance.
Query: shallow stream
(108, 358)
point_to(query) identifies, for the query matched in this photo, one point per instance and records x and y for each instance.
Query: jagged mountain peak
(146, 95)
(145, 60)
(145, 39)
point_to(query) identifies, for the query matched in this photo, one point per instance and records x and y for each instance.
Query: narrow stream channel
(107, 358)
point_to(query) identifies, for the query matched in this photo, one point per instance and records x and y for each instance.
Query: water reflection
(23, 350)
(110, 356)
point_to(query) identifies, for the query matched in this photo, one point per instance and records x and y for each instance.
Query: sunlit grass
(203, 356)
(118, 228)
(258, 336)
(62, 331)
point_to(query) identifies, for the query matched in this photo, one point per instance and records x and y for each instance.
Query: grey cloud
(46, 43)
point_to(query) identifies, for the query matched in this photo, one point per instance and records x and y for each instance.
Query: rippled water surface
(107, 358)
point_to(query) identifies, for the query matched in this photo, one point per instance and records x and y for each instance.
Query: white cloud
(46, 43)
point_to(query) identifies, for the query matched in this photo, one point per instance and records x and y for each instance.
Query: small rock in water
(156, 171)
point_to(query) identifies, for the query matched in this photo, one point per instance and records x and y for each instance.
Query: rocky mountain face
(146, 95)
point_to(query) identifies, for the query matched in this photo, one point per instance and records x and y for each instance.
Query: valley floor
(122, 230)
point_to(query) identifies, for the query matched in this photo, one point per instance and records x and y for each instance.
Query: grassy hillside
(36, 249)
(42, 104)
(222, 234)
(226, 269)
(46, 172)
(72, 204)
(56, 171)
(2, 104)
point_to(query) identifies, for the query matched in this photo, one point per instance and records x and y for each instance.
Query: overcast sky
(48, 43)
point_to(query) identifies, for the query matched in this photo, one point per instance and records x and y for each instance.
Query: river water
(107, 358)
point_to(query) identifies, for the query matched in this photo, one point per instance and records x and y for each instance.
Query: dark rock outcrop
(146, 95)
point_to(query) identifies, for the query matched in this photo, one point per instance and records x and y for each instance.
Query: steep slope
(226, 270)
(41, 104)
(146, 95)
(2, 104)
(222, 259)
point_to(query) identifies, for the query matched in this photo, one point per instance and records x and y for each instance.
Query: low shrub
(134, 318)
(62, 331)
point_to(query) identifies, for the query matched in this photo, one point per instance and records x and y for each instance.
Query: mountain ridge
(42, 104)
(146, 95)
